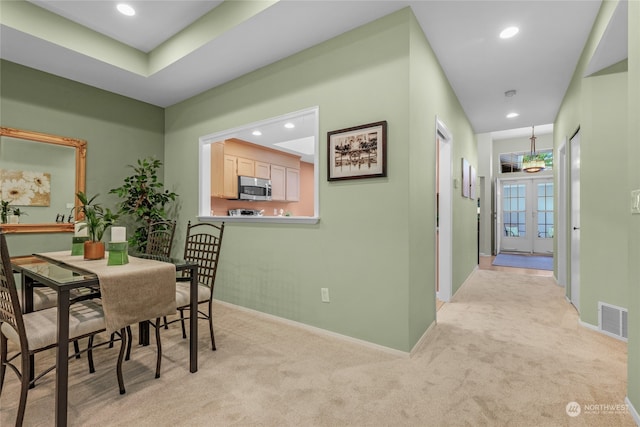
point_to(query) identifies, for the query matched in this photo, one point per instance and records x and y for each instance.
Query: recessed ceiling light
(509, 32)
(289, 125)
(125, 9)
(256, 133)
(512, 115)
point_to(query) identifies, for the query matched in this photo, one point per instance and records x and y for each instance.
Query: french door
(525, 215)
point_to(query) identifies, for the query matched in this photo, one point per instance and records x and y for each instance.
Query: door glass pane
(514, 210)
(545, 210)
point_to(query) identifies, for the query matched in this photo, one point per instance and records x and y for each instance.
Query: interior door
(561, 229)
(497, 216)
(516, 218)
(574, 290)
(444, 212)
(526, 215)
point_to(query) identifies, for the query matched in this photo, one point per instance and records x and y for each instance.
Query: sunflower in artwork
(40, 182)
(26, 188)
(17, 192)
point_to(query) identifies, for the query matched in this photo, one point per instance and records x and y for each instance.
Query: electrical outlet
(325, 294)
(635, 201)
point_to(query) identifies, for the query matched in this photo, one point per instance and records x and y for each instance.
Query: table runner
(141, 290)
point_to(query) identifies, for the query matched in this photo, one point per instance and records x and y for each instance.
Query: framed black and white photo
(357, 152)
(465, 178)
(472, 182)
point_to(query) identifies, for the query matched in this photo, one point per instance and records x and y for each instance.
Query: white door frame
(444, 230)
(497, 215)
(574, 283)
(561, 204)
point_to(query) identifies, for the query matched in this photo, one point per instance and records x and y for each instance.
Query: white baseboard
(632, 411)
(321, 331)
(597, 329)
(422, 339)
(589, 326)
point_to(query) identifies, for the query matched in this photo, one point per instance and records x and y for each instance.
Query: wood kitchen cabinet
(293, 185)
(224, 173)
(285, 184)
(278, 183)
(246, 167)
(262, 170)
(230, 181)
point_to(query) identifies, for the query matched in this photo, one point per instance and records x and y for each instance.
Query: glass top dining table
(66, 279)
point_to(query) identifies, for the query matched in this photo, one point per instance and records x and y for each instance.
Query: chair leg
(213, 340)
(111, 340)
(92, 368)
(32, 371)
(130, 340)
(184, 331)
(158, 343)
(123, 343)
(3, 359)
(166, 326)
(24, 388)
(76, 348)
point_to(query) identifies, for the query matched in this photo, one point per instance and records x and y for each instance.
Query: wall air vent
(612, 320)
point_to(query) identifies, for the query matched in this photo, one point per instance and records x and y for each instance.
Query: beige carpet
(507, 351)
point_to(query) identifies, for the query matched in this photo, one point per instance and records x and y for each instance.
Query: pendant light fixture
(531, 163)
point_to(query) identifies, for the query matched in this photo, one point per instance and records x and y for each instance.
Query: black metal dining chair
(202, 247)
(160, 238)
(36, 331)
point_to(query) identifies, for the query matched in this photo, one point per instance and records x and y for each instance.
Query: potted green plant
(143, 199)
(96, 220)
(4, 210)
(16, 213)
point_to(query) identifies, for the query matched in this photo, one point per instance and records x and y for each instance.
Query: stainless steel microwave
(250, 188)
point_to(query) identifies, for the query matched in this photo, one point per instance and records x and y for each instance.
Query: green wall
(430, 96)
(373, 246)
(118, 131)
(633, 145)
(604, 198)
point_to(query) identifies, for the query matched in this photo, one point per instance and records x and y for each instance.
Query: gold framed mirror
(73, 150)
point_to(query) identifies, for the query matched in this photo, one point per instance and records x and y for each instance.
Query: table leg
(27, 295)
(62, 356)
(143, 333)
(193, 322)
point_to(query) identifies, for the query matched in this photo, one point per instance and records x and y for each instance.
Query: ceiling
(174, 49)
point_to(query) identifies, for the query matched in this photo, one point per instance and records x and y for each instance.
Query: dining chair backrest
(202, 246)
(10, 310)
(160, 238)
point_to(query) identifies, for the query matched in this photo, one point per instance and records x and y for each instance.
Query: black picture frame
(465, 177)
(357, 152)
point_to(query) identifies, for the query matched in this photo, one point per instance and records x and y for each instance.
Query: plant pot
(14, 219)
(93, 250)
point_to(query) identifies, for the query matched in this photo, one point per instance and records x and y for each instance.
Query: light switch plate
(635, 201)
